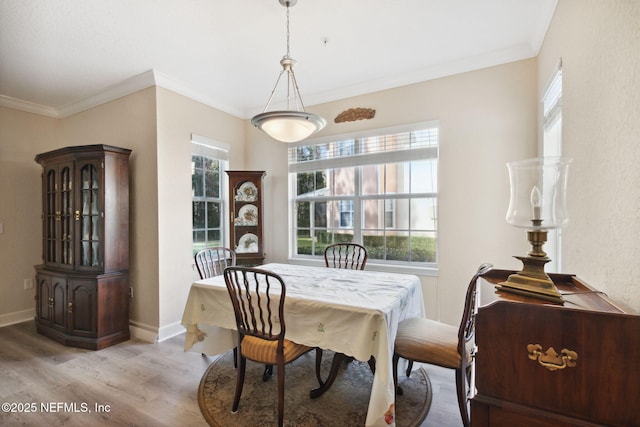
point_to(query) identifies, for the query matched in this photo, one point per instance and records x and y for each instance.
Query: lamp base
(532, 281)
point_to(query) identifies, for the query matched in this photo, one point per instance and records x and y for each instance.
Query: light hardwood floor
(133, 383)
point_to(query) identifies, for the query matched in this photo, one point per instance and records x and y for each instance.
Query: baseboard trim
(143, 332)
(138, 330)
(17, 317)
(171, 331)
(154, 334)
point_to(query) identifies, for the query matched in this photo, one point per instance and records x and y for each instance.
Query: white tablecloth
(353, 312)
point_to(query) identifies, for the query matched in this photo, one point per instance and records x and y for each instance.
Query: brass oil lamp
(537, 203)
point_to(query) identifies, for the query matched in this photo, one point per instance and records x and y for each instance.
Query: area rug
(344, 405)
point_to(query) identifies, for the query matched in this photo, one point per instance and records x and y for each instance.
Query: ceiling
(58, 57)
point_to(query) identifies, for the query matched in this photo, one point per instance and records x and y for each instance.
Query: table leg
(338, 359)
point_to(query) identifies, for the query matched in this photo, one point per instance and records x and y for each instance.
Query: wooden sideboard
(544, 364)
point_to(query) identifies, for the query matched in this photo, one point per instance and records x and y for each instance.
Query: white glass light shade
(538, 193)
(288, 126)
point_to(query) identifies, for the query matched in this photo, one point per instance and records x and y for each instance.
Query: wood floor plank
(141, 384)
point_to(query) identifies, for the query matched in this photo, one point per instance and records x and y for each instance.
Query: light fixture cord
(291, 78)
(288, 32)
(289, 70)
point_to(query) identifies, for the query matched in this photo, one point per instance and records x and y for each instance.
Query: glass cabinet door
(66, 216)
(89, 217)
(50, 215)
(58, 215)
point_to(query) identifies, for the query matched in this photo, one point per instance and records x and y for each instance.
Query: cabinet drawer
(520, 360)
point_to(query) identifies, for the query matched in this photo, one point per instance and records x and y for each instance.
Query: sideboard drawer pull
(550, 359)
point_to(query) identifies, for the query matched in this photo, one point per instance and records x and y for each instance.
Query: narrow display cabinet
(245, 200)
(82, 293)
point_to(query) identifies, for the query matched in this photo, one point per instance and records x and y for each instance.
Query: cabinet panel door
(90, 215)
(59, 309)
(44, 297)
(82, 307)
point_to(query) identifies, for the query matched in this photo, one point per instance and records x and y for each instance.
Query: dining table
(354, 313)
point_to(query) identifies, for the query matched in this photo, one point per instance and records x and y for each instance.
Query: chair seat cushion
(428, 341)
(264, 351)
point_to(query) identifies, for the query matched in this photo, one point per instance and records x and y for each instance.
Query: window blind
(395, 145)
(209, 147)
(553, 96)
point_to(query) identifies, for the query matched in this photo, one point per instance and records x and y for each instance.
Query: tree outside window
(207, 202)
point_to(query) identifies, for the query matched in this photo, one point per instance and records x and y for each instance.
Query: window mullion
(357, 206)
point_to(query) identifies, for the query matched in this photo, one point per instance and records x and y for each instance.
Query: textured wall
(599, 43)
(22, 136)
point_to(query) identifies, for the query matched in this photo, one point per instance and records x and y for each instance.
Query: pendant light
(290, 125)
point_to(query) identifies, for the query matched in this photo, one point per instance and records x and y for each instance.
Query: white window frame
(430, 152)
(346, 206)
(219, 151)
(390, 206)
(552, 147)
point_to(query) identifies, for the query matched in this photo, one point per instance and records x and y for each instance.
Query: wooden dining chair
(258, 298)
(345, 255)
(428, 341)
(211, 262)
(350, 256)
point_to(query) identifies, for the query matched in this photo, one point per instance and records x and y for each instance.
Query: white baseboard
(170, 331)
(138, 330)
(17, 317)
(153, 334)
(143, 332)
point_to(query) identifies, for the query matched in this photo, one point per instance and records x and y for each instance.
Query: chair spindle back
(212, 261)
(345, 255)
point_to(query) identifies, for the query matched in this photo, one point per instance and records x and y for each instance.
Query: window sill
(373, 266)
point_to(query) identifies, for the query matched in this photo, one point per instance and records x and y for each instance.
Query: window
(379, 190)
(346, 213)
(208, 183)
(389, 214)
(552, 146)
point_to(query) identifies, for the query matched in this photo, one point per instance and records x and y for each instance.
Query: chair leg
(235, 357)
(409, 368)
(239, 384)
(461, 388)
(394, 362)
(280, 369)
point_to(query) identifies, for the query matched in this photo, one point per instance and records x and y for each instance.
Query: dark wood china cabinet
(245, 222)
(82, 293)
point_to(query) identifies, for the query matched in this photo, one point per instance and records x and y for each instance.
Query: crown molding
(156, 78)
(463, 65)
(29, 107)
(126, 87)
(166, 82)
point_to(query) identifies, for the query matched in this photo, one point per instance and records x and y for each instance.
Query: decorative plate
(247, 192)
(247, 215)
(248, 244)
